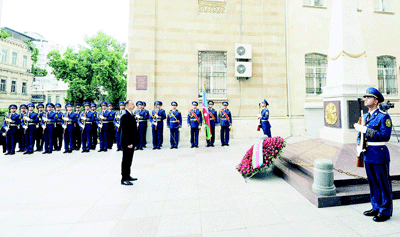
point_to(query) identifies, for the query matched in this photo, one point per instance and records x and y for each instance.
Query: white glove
(4, 134)
(64, 126)
(101, 117)
(100, 125)
(45, 119)
(28, 119)
(66, 119)
(44, 126)
(7, 129)
(230, 127)
(137, 116)
(117, 125)
(199, 126)
(82, 126)
(156, 116)
(360, 128)
(25, 126)
(8, 120)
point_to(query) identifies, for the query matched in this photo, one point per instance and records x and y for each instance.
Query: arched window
(316, 65)
(387, 75)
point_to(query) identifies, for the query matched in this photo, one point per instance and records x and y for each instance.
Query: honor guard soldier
(21, 135)
(48, 125)
(213, 121)
(377, 130)
(85, 122)
(194, 121)
(94, 127)
(77, 130)
(174, 122)
(157, 124)
(11, 124)
(68, 121)
(39, 131)
(111, 131)
(264, 116)
(58, 130)
(30, 123)
(141, 119)
(104, 119)
(146, 123)
(225, 120)
(117, 124)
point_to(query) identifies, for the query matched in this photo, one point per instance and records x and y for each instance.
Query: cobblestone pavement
(184, 192)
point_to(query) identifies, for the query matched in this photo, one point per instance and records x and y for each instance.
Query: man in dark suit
(129, 140)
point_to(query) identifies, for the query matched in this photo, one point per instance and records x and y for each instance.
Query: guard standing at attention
(117, 124)
(157, 124)
(94, 127)
(11, 124)
(104, 120)
(194, 121)
(264, 116)
(29, 123)
(48, 123)
(174, 122)
(77, 130)
(225, 120)
(68, 120)
(377, 130)
(145, 123)
(58, 130)
(213, 122)
(85, 122)
(39, 131)
(111, 132)
(141, 120)
(21, 135)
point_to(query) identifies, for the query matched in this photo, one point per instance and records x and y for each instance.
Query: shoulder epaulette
(383, 112)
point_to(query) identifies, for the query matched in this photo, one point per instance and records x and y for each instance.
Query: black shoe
(8, 153)
(197, 146)
(159, 148)
(371, 212)
(20, 150)
(226, 144)
(100, 150)
(49, 152)
(30, 153)
(83, 151)
(26, 153)
(381, 218)
(131, 179)
(126, 182)
(70, 151)
(212, 145)
(141, 148)
(45, 152)
(191, 146)
(66, 152)
(12, 153)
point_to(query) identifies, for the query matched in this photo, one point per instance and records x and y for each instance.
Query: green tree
(37, 71)
(3, 34)
(100, 65)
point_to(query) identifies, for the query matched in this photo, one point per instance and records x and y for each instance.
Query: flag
(206, 116)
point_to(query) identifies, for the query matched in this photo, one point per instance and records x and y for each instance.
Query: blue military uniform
(68, 120)
(39, 131)
(194, 121)
(21, 135)
(94, 127)
(213, 122)
(11, 124)
(85, 122)
(58, 130)
(117, 124)
(265, 125)
(141, 117)
(111, 131)
(104, 120)
(48, 124)
(225, 120)
(77, 131)
(174, 122)
(377, 158)
(157, 125)
(145, 123)
(30, 123)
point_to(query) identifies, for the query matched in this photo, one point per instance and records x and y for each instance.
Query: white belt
(264, 120)
(376, 143)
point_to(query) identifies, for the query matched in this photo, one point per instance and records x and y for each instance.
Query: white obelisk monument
(347, 74)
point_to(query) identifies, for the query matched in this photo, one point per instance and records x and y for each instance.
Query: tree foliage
(37, 71)
(3, 34)
(100, 65)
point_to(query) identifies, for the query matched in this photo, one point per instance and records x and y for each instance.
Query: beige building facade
(176, 47)
(15, 70)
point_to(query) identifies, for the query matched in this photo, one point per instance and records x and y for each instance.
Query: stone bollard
(323, 177)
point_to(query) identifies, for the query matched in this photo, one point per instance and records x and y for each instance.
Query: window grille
(25, 61)
(212, 73)
(316, 65)
(14, 58)
(387, 75)
(3, 85)
(4, 56)
(24, 91)
(13, 87)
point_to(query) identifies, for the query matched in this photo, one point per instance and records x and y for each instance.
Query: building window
(25, 62)
(316, 65)
(387, 75)
(14, 58)
(49, 99)
(212, 73)
(382, 5)
(24, 91)
(3, 85)
(4, 55)
(13, 87)
(57, 99)
(313, 3)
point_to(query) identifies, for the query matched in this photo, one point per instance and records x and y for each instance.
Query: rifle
(117, 118)
(45, 124)
(361, 146)
(101, 120)
(155, 122)
(7, 123)
(25, 121)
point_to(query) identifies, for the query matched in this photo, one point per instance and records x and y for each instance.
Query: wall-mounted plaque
(141, 82)
(354, 111)
(332, 114)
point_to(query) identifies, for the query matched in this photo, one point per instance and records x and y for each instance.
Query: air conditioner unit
(243, 51)
(243, 69)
